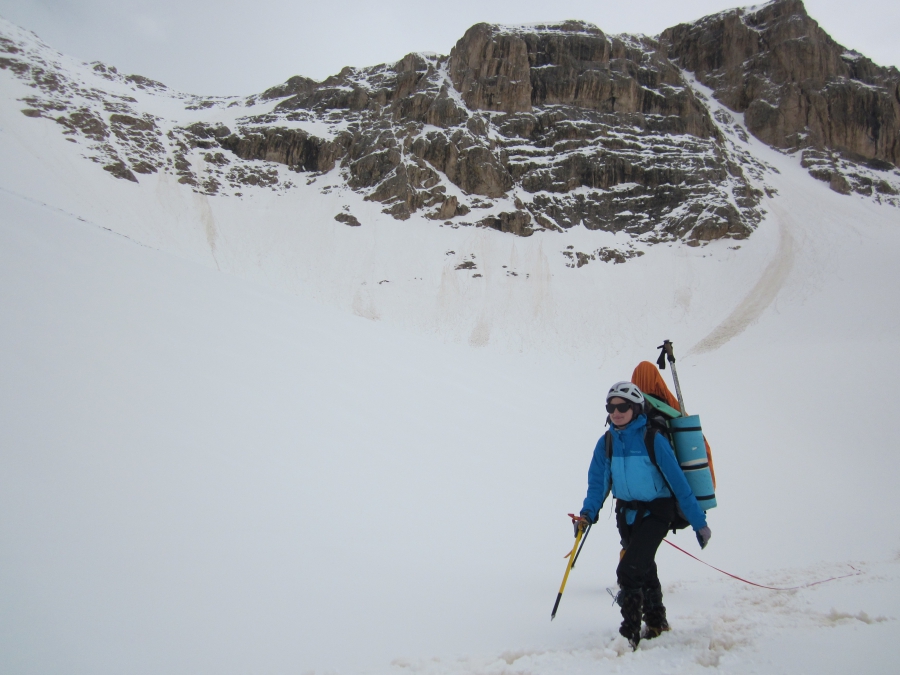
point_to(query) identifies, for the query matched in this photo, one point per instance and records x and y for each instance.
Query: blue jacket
(634, 478)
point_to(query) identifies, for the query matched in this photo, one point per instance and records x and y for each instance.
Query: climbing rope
(856, 572)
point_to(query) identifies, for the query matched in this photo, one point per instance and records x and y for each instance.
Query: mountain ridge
(543, 127)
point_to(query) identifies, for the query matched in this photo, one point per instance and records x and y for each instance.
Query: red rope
(771, 588)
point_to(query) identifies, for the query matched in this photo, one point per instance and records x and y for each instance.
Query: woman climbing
(646, 492)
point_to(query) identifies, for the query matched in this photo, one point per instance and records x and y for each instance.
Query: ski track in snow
(760, 296)
(775, 274)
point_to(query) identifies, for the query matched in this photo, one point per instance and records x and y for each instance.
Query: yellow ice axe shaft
(571, 557)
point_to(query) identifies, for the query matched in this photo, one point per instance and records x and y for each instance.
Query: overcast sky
(242, 47)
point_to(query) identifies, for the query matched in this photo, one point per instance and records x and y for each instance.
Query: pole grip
(667, 351)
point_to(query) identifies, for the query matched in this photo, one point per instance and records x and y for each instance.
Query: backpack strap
(649, 442)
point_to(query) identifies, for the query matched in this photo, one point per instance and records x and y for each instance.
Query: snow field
(227, 446)
(400, 272)
(203, 474)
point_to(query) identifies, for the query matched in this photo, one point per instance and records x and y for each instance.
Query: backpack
(658, 417)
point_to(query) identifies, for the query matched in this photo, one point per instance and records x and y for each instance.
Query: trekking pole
(571, 556)
(668, 353)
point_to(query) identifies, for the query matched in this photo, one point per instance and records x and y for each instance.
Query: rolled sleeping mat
(690, 451)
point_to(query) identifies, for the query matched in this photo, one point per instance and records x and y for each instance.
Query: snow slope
(201, 474)
(520, 295)
(225, 447)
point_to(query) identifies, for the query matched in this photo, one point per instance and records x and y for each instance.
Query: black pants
(637, 569)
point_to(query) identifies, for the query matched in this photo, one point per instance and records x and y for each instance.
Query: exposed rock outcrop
(796, 86)
(520, 128)
(560, 115)
(348, 219)
(491, 69)
(511, 70)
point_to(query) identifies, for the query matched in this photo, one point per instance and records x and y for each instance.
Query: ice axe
(587, 531)
(666, 352)
(572, 556)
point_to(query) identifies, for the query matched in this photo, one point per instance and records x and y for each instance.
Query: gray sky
(234, 47)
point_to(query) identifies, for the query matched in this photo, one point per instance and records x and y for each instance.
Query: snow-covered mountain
(519, 128)
(607, 150)
(238, 434)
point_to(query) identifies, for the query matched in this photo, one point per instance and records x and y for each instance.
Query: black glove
(703, 537)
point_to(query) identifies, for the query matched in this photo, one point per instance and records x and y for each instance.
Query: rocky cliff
(519, 128)
(798, 89)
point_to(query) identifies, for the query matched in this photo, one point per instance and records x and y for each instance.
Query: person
(645, 508)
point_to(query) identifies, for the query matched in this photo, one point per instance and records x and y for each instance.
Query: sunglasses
(621, 407)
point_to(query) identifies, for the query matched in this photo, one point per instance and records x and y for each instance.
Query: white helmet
(627, 391)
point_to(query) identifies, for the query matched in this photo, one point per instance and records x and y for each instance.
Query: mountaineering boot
(654, 614)
(630, 600)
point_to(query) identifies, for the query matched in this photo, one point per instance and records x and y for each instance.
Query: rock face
(573, 64)
(796, 86)
(572, 126)
(491, 70)
(519, 128)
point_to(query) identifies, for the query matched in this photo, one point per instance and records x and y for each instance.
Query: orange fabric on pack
(649, 380)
